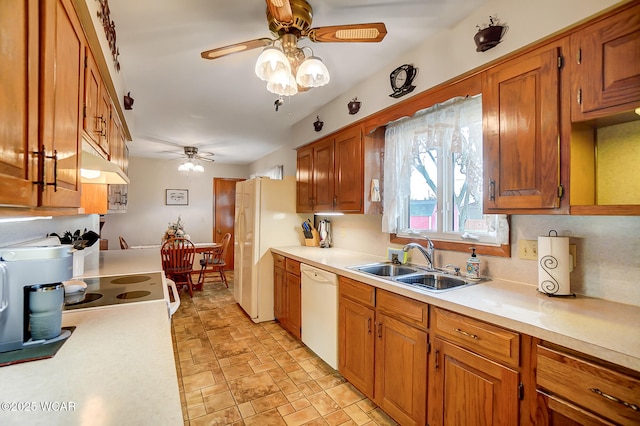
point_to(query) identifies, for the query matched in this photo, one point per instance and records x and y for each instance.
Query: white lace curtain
(440, 126)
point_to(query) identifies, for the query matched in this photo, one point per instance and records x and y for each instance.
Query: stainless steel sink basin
(385, 269)
(434, 282)
(422, 278)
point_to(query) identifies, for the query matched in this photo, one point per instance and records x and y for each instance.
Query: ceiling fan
(191, 163)
(289, 21)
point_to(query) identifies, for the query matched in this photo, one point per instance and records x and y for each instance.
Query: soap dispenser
(473, 265)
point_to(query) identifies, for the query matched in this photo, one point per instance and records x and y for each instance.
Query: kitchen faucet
(428, 252)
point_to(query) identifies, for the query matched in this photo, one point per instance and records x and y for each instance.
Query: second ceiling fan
(289, 21)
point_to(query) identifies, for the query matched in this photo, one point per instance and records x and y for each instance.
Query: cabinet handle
(379, 330)
(437, 356)
(492, 190)
(335, 200)
(634, 407)
(41, 155)
(464, 333)
(369, 325)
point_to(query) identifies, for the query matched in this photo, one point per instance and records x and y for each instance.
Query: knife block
(313, 242)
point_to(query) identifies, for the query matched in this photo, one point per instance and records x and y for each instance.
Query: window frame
(467, 84)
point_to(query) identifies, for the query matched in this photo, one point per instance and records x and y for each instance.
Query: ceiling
(220, 106)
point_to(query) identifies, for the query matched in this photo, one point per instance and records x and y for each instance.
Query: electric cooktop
(117, 289)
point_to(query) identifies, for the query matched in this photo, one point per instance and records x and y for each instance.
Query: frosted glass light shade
(198, 168)
(312, 72)
(271, 61)
(186, 167)
(283, 84)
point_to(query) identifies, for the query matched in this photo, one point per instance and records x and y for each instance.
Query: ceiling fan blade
(281, 10)
(235, 48)
(372, 33)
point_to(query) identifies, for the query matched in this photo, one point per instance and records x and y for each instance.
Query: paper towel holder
(551, 262)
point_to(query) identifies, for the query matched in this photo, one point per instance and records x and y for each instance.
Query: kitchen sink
(435, 280)
(385, 269)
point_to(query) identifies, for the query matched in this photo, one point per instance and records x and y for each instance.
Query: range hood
(95, 169)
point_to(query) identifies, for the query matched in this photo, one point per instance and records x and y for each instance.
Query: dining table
(200, 247)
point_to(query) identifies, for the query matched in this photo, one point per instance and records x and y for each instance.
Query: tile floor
(234, 372)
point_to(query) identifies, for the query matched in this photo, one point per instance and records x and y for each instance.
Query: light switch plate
(528, 249)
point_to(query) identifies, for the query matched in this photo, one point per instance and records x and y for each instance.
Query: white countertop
(117, 368)
(597, 327)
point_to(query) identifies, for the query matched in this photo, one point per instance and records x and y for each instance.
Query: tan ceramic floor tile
(235, 372)
(301, 417)
(198, 381)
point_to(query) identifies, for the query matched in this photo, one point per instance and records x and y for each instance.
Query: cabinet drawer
(600, 389)
(482, 338)
(357, 291)
(403, 308)
(278, 261)
(292, 266)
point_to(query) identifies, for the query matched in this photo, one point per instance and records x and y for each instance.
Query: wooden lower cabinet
(469, 389)
(382, 351)
(401, 370)
(576, 390)
(287, 294)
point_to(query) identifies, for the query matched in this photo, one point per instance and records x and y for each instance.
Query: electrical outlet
(528, 249)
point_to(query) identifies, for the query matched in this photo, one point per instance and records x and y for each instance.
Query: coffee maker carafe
(32, 276)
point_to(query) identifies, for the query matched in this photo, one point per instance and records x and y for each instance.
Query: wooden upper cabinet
(331, 173)
(323, 175)
(605, 65)
(521, 121)
(348, 170)
(62, 56)
(304, 180)
(97, 107)
(19, 103)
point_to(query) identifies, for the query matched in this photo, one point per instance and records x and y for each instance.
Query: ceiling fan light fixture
(282, 84)
(271, 61)
(312, 72)
(198, 168)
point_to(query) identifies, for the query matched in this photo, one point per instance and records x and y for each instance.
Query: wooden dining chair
(123, 243)
(213, 261)
(178, 255)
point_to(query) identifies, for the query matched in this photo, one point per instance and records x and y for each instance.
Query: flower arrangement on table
(175, 230)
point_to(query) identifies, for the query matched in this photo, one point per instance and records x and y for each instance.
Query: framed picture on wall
(177, 197)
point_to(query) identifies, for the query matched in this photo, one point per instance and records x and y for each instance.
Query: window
(433, 166)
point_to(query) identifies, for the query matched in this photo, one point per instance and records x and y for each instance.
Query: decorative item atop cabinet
(354, 106)
(317, 125)
(488, 36)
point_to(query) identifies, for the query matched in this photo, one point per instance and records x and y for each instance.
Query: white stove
(118, 289)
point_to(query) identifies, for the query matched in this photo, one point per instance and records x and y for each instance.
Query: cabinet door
(348, 171)
(520, 104)
(294, 305)
(606, 59)
(304, 180)
(19, 102)
(62, 81)
(467, 389)
(92, 124)
(356, 341)
(401, 371)
(323, 176)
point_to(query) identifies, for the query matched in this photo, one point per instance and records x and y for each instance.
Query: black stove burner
(131, 279)
(133, 295)
(89, 297)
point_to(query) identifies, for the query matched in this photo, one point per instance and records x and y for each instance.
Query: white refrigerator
(265, 217)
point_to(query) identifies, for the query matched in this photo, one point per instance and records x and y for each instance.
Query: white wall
(147, 215)
(608, 247)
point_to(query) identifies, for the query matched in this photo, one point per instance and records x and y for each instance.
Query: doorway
(224, 208)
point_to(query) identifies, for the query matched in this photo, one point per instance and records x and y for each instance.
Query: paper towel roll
(553, 266)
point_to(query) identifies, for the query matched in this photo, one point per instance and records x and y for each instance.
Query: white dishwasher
(320, 313)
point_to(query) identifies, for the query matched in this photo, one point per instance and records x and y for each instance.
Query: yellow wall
(618, 164)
